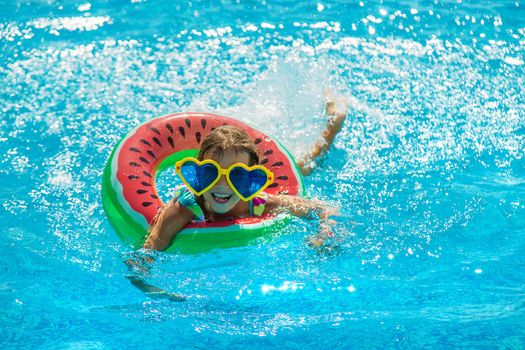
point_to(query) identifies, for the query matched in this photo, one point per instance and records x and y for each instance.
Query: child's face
(221, 198)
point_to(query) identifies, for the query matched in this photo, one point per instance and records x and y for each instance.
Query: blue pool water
(429, 170)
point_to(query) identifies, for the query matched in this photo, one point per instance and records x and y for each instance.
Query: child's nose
(222, 181)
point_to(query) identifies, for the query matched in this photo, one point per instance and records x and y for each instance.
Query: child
(228, 145)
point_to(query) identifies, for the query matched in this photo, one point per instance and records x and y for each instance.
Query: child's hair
(228, 137)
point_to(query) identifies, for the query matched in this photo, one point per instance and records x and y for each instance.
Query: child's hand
(316, 241)
(329, 210)
(325, 232)
(325, 210)
(161, 294)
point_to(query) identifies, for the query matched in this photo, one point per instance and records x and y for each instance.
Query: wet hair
(228, 137)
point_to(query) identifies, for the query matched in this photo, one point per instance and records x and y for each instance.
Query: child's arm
(172, 218)
(152, 291)
(300, 207)
(139, 264)
(303, 207)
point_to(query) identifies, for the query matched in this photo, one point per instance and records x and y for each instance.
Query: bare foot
(336, 110)
(336, 106)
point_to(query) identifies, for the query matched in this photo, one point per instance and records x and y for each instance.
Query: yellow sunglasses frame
(226, 173)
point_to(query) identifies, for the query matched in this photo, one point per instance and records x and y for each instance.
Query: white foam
(515, 61)
(71, 23)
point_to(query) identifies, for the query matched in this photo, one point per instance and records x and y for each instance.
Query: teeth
(220, 195)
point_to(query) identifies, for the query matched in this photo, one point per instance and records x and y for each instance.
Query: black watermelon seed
(188, 122)
(275, 184)
(267, 152)
(133, 149)
(155, 130)
(182, 132)
(157, 141)
(144, 183)
(142, 159)
(203, 123)
(150, 152)
(264, 161)
(142, 191)
(283, 192)
(284, 177)
(212, 129)
(146, 173)
(168, 126)
(145, 142)
(170, 140)
(257, 141)
(154, 196)
(134, 164)
(277, 164)
(198, 137)
(147, 204)
(133, 177)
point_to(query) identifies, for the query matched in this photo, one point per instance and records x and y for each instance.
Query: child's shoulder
(259, 204)
(187, 199)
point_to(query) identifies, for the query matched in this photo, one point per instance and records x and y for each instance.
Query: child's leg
(336, 110)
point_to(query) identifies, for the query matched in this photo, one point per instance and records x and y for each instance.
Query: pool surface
(429, 170)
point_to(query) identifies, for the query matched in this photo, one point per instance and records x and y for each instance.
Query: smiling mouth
(221, 197)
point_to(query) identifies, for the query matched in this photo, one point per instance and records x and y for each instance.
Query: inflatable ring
(130, 196)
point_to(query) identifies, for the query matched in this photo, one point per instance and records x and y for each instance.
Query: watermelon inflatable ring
(130, 196)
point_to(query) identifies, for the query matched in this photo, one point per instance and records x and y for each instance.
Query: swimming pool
(429, 169)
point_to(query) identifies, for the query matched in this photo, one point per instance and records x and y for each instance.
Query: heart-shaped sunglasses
(201, 176)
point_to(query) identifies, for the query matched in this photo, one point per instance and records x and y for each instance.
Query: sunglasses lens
(199, 176)
(247, 182)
